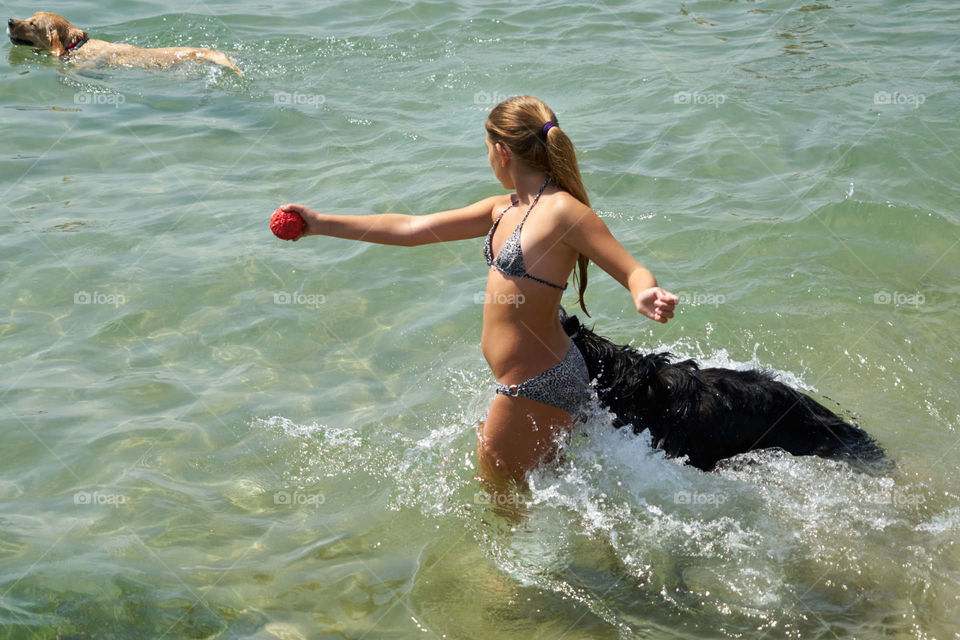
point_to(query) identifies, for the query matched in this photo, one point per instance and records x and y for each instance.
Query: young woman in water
(541, 378)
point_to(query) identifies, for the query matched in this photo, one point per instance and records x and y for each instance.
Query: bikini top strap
(534, 203)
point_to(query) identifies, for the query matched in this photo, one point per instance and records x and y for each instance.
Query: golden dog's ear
(58, 39)
(61, 36)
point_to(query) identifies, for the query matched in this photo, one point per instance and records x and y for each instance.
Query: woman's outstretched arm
(587, 234)
(400, 229)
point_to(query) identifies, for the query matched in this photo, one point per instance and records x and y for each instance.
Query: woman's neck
(528, 185)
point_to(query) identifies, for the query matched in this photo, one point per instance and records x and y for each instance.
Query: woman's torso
(522, 335)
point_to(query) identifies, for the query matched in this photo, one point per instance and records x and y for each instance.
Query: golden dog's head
(45, 31)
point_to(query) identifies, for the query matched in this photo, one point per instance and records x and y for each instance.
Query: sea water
(207, 432)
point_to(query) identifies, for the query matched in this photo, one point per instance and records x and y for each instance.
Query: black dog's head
(613, 365)
(627, 381)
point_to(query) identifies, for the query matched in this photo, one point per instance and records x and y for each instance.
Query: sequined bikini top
(509, 260)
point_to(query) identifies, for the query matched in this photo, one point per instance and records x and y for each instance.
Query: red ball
(286, 225)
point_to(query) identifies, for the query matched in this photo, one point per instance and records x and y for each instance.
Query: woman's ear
(504, 154)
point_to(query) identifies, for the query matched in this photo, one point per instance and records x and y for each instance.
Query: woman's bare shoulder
(502, 201)
(569, 210)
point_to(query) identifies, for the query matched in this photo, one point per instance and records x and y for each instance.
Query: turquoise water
(210, 433)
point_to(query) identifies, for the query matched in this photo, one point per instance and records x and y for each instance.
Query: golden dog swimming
(52, 32)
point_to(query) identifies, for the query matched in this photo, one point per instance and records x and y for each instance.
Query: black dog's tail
(713, 414)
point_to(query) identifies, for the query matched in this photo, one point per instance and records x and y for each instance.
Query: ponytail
(520, 124)
(562, 160)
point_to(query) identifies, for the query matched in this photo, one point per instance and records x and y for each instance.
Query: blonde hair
(518, 123)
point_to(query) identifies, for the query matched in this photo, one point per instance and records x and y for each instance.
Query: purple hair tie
(547, 126)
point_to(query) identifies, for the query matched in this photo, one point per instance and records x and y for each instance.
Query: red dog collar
(79, 43)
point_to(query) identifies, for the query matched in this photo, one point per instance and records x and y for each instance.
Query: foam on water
(616, 521)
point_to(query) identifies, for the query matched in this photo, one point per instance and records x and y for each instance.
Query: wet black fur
(713, 414)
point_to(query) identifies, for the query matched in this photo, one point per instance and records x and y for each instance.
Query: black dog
(713, 414)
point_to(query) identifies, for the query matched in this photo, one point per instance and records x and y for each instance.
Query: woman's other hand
(656, 303)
